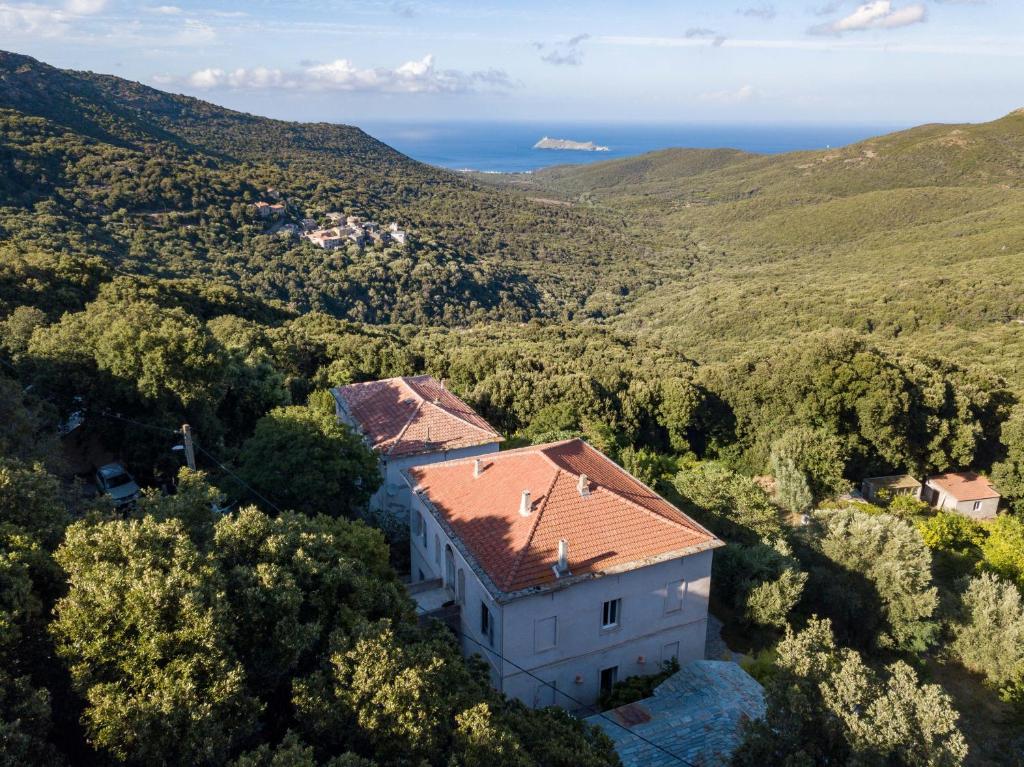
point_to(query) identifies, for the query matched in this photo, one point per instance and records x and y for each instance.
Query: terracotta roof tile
(620, 522)
(413, 415)
(965, 485)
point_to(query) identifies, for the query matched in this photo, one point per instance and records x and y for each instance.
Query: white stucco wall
(652, 627)
(427, 561)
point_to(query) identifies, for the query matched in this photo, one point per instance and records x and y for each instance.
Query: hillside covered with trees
(253, 615)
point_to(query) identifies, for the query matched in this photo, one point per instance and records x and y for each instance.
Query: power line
(203, 450)
(589, 707)
(460, 632)
(163, 429)
(241, 481)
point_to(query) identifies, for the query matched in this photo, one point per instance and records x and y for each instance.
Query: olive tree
(825, 706)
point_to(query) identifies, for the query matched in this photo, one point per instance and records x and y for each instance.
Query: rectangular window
(609, 677)
(545, 633)
(423, 531)
(674, 593)
(610, 613)
(486, 623)
(977, 505)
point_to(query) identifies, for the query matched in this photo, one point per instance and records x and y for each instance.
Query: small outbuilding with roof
(886, 488)
(965, 492)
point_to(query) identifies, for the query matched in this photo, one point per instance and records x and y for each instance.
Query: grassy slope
(916, 237)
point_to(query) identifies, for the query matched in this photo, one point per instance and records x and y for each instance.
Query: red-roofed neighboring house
(409, 421)
(564, 564)
(964, 492)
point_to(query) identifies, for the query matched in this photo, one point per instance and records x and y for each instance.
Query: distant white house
(569, 574)
(410, 421)
(329, 239)
(964, 492)
(395, 233)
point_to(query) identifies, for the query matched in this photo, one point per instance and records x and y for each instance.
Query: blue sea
(508, 147)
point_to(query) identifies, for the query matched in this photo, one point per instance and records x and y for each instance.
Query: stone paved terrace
(695, 714)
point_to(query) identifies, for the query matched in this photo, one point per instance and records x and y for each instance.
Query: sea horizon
(507, 146)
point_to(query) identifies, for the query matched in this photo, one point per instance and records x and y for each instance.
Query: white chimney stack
(583, 486)
(525, 507)
(562, 566)
(476, 468)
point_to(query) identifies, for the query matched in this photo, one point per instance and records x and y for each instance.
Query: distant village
(334, 230)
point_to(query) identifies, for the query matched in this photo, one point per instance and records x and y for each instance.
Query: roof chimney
(476, 468)
(583, 486)
(525, 507)
(562, 565)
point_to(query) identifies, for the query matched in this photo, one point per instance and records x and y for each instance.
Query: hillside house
(269, 210)
(395, 233)
(876, 489)
(562, 565)
(329, 239)
(409, 421)
(964, 492)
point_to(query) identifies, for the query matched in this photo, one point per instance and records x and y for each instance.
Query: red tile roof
(965, 485)
(413, 415)
(621, 523)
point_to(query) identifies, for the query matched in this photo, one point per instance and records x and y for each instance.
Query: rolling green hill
(124, 176)
(915, 238)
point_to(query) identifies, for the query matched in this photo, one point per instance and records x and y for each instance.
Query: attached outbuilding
(964, 492)
(410, 421)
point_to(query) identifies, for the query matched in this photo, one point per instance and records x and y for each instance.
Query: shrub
(989, 639)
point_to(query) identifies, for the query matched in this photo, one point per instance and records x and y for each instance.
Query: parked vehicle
(114, 480)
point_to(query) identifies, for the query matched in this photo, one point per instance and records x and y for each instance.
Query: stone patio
(695, 715)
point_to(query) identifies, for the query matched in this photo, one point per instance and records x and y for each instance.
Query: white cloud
(34, 20)
(416, 76)
(741, 95)
(563, 54)
(765, 11)
(877, 14)
(85, 7)
(165, 10)
(194, 32)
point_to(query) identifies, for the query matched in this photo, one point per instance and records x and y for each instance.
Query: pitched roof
(620, 524)
(413, 415)
(964, 485)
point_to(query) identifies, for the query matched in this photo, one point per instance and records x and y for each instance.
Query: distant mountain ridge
(141, 163)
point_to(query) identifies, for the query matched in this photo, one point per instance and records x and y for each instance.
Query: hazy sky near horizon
(824, 61)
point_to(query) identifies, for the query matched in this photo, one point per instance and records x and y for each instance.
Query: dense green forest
(705, 318)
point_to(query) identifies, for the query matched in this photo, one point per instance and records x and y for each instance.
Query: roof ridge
(460, 418)
(401, 433)
(683, 522)
(533, 530)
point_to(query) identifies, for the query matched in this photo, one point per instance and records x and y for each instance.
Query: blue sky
(810, 61)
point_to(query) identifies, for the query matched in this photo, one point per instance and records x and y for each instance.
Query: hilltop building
(269, 210)
(410, 421)
(568, 573)
(963, 492)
